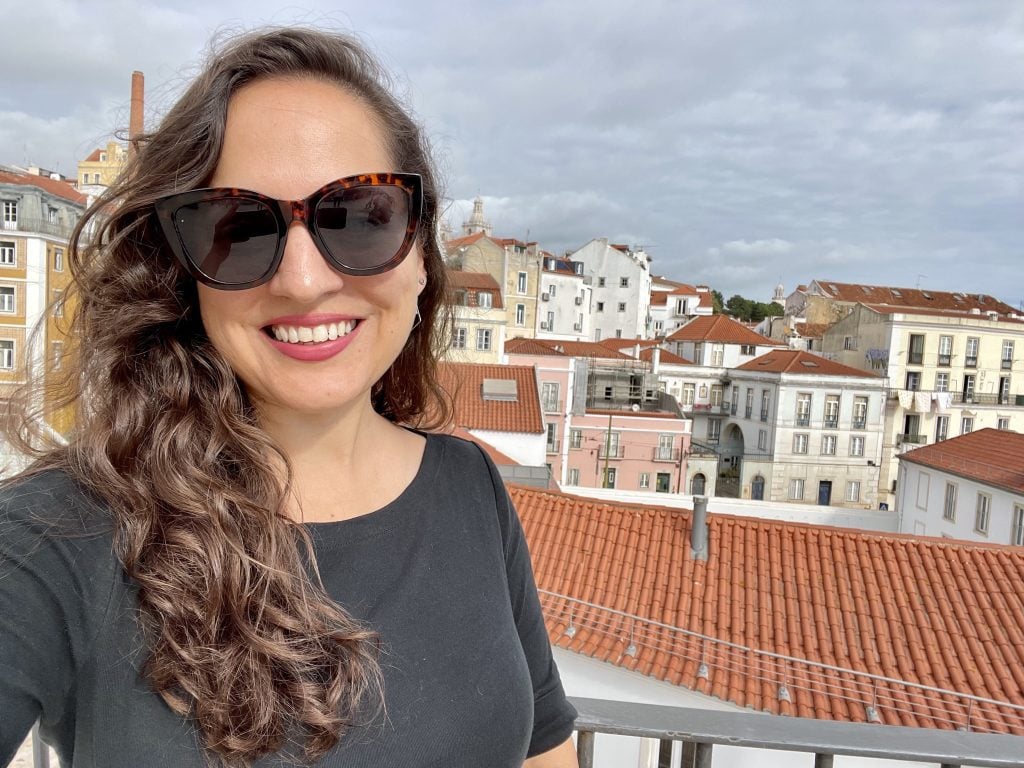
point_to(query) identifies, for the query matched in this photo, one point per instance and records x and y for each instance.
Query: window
(483, 299)
(7, 299)
(1003, 423)
(666, 447)
(58, 259)
(551, 321)
(522, 284)
(942, 382)
(687, 394)
(748, 349)
(941, 428)
(551, 290)
(850, 342)
(459, 338)
(803, 409)
(645, 480)
(575, 438)
(6, 355)
(663, 482)
(971, 358)
(483, 338)
(95, 178)
(716, 395)
(735, 400)
(609, 478)
(552, 437)
(856, 445)
(915, 356)
(623, 282)
(599, 307)
(1017, 526)
(7, 253)
(949, 503)
(10, 215)
(853, 490)
(831, 411)
(762, 439)
(58, 303)
(766, 402)
(796, 489)
(574, 477)
(913, 380)
(549, 396)
(520, 314)
(600, 282)
(945, 350)
(828, 445)
(697, 484)
(718, 354)
(51, 215)
(622, 306)
(800, 442)
(966, 425)
(56, 354)
(860, 412)
(714, 429)
(1004, 390)
(981, 511)
(618, 333)
(969, 388)
(1007, 358)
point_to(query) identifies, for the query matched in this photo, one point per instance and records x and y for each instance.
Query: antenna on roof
(918, 286)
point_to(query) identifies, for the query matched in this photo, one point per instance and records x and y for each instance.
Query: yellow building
(37, 215)
(101, 167)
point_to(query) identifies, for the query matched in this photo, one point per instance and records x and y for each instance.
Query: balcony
(722, 407)
(803, 420)
(1006, 365)
(945, 360)
(971, 361)
(699, 730)
(911, 439)
(666, 454)
(764, 415)
(611, 452)
(860, 423)
(552, 446)
(552, 406)
(915, 358)
(831, 422)
(971, 398)
(39, 226)
(748, 412)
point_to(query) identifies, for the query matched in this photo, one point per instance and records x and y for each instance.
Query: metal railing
(881, 699)
(612, 452)
(913, 439)
(966, 398)
(699, 730)
(665, 454)
(40, 226)
(552, 446)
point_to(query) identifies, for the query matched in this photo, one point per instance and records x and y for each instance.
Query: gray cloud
(879, 140)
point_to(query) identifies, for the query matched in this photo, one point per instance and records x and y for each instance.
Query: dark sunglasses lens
(231, 240)
(363, 227)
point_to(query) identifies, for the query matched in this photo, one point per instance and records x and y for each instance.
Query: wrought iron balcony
(666, 454)
(553, 445)
(699, 730)
(612, 452)
(911, 438)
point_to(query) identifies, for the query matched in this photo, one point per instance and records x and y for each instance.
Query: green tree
(717, 302)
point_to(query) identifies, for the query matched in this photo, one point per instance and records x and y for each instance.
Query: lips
(311, 338)
(307, 334)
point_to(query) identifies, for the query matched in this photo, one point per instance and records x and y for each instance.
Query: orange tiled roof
(59, 188)
(467, 240)
(667, 357)
(521, 346)
(910, 297)
(961, 315)
(991, 456)
(477, 281)
(94, 157)
(926, 611)
(811, 330)
(464, 382)
(723, 329)
(798, 361)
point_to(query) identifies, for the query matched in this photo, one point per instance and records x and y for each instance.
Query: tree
(717, 302)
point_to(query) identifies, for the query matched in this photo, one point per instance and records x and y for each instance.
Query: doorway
(757, 488)
(824, 492)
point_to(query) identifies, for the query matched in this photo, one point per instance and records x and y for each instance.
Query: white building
(673, 306)
(968, 487)
(621, 281)
(564, 311)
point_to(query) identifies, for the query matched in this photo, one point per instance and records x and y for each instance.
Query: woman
(241, 554)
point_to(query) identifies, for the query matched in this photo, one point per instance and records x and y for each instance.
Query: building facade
(565, 302)
(478, 332)
(621, 281)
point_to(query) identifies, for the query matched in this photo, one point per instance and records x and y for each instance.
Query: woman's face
(286, 138)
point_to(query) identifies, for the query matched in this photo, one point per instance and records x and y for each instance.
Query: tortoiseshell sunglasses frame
(285, 212)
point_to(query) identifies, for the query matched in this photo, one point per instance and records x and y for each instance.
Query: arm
(562, 756)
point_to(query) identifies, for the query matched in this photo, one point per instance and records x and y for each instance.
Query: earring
(416, 320)
(422, 281)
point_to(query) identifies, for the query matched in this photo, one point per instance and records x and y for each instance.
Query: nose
(304, 275)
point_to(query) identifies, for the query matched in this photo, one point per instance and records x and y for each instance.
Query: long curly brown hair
(241, 635)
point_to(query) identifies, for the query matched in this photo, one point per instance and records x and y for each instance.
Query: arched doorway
(698, 484)
(757, 488)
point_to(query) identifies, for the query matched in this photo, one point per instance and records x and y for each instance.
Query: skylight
(500, 390)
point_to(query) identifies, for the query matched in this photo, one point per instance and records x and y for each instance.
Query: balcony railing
(42, 226)
(1006, 365)
(666, 454)
(945, 360)
(612, 452)
(860, 423)
(968, 398)
(748, 412)
(971, 362)
(764, 415)
(551, 406)
(552, 446)
(699, 730)
(722, 407)
(803, 421)
(831, 422)
(910, 438)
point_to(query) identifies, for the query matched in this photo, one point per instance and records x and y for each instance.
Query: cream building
(478, 333)
(949, 373)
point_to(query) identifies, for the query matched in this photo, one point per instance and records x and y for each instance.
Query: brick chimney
(138, 103)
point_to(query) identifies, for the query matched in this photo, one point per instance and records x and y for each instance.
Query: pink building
(607, 423)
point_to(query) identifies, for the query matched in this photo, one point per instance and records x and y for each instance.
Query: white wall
(525, 448)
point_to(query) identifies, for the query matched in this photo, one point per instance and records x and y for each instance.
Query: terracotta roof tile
(811, 330)
(659, 298)
(910, 297)
(464, 383)
(521, 346)
(669, 358)
(991, 456)
(723, 329)
(787, 598)
(476, 281)
(94, 157)
(59, 188)
(798, 361)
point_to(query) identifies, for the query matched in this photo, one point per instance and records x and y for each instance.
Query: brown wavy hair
(242, 636)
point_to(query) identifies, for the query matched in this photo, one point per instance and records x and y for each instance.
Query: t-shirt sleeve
(553, 715)
(43, 621)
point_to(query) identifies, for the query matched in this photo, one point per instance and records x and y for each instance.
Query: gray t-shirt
(442, 573)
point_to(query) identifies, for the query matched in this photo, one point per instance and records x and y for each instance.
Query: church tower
(476, 222)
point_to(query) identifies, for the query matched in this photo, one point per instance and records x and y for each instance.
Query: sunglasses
(234, 239)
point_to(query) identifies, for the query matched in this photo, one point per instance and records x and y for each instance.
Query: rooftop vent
(500, 390)
(808, 364)
(896, 293)
(865, 289)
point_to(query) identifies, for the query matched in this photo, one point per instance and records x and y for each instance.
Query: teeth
(312, 334)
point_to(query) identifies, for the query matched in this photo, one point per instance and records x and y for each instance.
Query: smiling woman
(248, 550)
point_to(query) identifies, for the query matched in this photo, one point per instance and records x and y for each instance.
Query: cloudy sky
(740, 142)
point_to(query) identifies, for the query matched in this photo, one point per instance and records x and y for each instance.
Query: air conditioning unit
(544, 324)
(545, 296)
(579, 300)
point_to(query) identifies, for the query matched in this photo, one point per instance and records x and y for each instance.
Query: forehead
(287, 137)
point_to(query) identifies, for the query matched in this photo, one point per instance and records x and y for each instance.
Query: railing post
(585, 749)
(665, 754)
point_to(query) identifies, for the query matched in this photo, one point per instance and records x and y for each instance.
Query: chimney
(138, 104)
(699, 528)
(655, 360)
